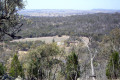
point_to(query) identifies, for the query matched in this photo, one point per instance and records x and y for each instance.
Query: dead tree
(92, 56)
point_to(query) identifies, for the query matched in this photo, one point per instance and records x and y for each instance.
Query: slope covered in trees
(75, 59)
(79, 25)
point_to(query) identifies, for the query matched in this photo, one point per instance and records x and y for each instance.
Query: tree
(110, 43)
(72, 67)
(2, 69)
(113, 38)
(9, 18)
(113, 67)
(41, 61)
(16, 68)
(92, 56)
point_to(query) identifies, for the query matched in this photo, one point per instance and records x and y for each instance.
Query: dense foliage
(41, 61)
(79, 25)
(113, 67)
(2, 69)
(9, 18)
(72, 67)
(16, 67)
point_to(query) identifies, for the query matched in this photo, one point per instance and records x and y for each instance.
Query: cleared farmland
(44, 39)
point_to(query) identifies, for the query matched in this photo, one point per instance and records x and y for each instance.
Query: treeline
(79, 25)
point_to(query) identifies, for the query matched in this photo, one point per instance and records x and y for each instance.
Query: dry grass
(44, 39)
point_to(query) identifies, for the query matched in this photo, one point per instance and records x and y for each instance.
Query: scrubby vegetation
(80, 25)
(70, 61)
(16, 68)
(90, 51)
(113, 67)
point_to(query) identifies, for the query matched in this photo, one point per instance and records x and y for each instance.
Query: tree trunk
(92, 69)
(92, 58)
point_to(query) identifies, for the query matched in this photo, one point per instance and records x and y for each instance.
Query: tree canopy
(16, 68)
(41, 60)
(9, 18)
(2, 69)
(113, 67)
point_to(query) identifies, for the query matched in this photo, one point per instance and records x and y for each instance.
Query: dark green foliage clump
(16, 68)
(10, 21)
(41, 61)
(72, 67)
(2, 69)
(113, 67)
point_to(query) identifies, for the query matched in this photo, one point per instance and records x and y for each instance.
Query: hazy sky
(73, 4)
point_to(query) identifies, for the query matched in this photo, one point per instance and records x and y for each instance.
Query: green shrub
(113, 66)
(72, 67)
(16, 68)
(2, 69)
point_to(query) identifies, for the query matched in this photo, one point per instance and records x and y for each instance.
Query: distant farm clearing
(44, 39)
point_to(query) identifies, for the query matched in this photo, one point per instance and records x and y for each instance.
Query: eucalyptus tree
(2, 69)
(113, 66)
(92, 52)
(42, 60)
(72, 67)
(16, 67)
(9, 18)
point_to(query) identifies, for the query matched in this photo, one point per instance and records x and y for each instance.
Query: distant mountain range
(62, 12)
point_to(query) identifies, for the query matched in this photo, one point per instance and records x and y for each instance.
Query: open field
(44, 39)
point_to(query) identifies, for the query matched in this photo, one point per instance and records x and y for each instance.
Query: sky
(72, 4)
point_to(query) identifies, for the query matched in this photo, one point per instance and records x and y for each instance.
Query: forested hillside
(77, 47)
(79, 25)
